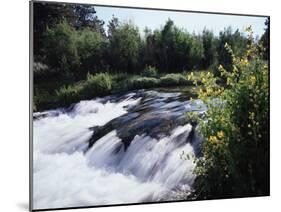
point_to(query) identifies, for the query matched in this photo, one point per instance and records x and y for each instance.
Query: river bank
(60, 93)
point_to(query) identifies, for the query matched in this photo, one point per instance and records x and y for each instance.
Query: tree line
(71, 41)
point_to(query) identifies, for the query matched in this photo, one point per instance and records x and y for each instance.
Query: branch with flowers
(235, 128)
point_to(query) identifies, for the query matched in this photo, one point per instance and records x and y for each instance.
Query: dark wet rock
(156, 115)
(49, 113)
(196, 142)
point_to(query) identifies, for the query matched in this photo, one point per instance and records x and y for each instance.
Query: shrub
(169, 80)
(174, 79)
(98, 84)
(143, 82)
(235, 131)
(183, 80)
(120, 82)
(67, 95)
(150, 71)
(95, 85)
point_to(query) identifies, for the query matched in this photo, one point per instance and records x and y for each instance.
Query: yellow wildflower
(220, 134)
(189, 77)
(213, 139)
(228, 81)
(209, 91)
(253, 79)
(245, 61)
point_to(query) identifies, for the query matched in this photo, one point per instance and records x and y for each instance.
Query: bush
(235, 132)
(174, 79)
(143, 82)
(121, 82)
(95, 85)
(67, 95)
(98, 84)
(169, 80)
(150, 71)
(43, 98)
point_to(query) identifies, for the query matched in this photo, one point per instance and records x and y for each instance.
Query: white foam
(68, 131)
(63, 180)
(66, 177)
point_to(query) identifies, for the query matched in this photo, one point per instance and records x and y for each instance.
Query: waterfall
(70, 173)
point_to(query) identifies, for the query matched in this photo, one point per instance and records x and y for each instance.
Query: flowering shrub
(235, 129)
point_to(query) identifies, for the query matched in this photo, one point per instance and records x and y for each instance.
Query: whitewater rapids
(68, 172)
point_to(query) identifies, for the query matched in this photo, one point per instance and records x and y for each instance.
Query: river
(115, 150)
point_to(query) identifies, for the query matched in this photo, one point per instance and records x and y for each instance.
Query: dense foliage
(70, 42)
(235, 128)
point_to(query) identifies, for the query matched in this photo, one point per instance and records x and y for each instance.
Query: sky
(192, 22)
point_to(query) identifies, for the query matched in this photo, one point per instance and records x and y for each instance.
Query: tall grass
(95, 85)
(174, 79)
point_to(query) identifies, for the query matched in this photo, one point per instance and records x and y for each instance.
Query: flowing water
(113, 150)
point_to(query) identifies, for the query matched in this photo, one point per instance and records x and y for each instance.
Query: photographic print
(138, 105)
